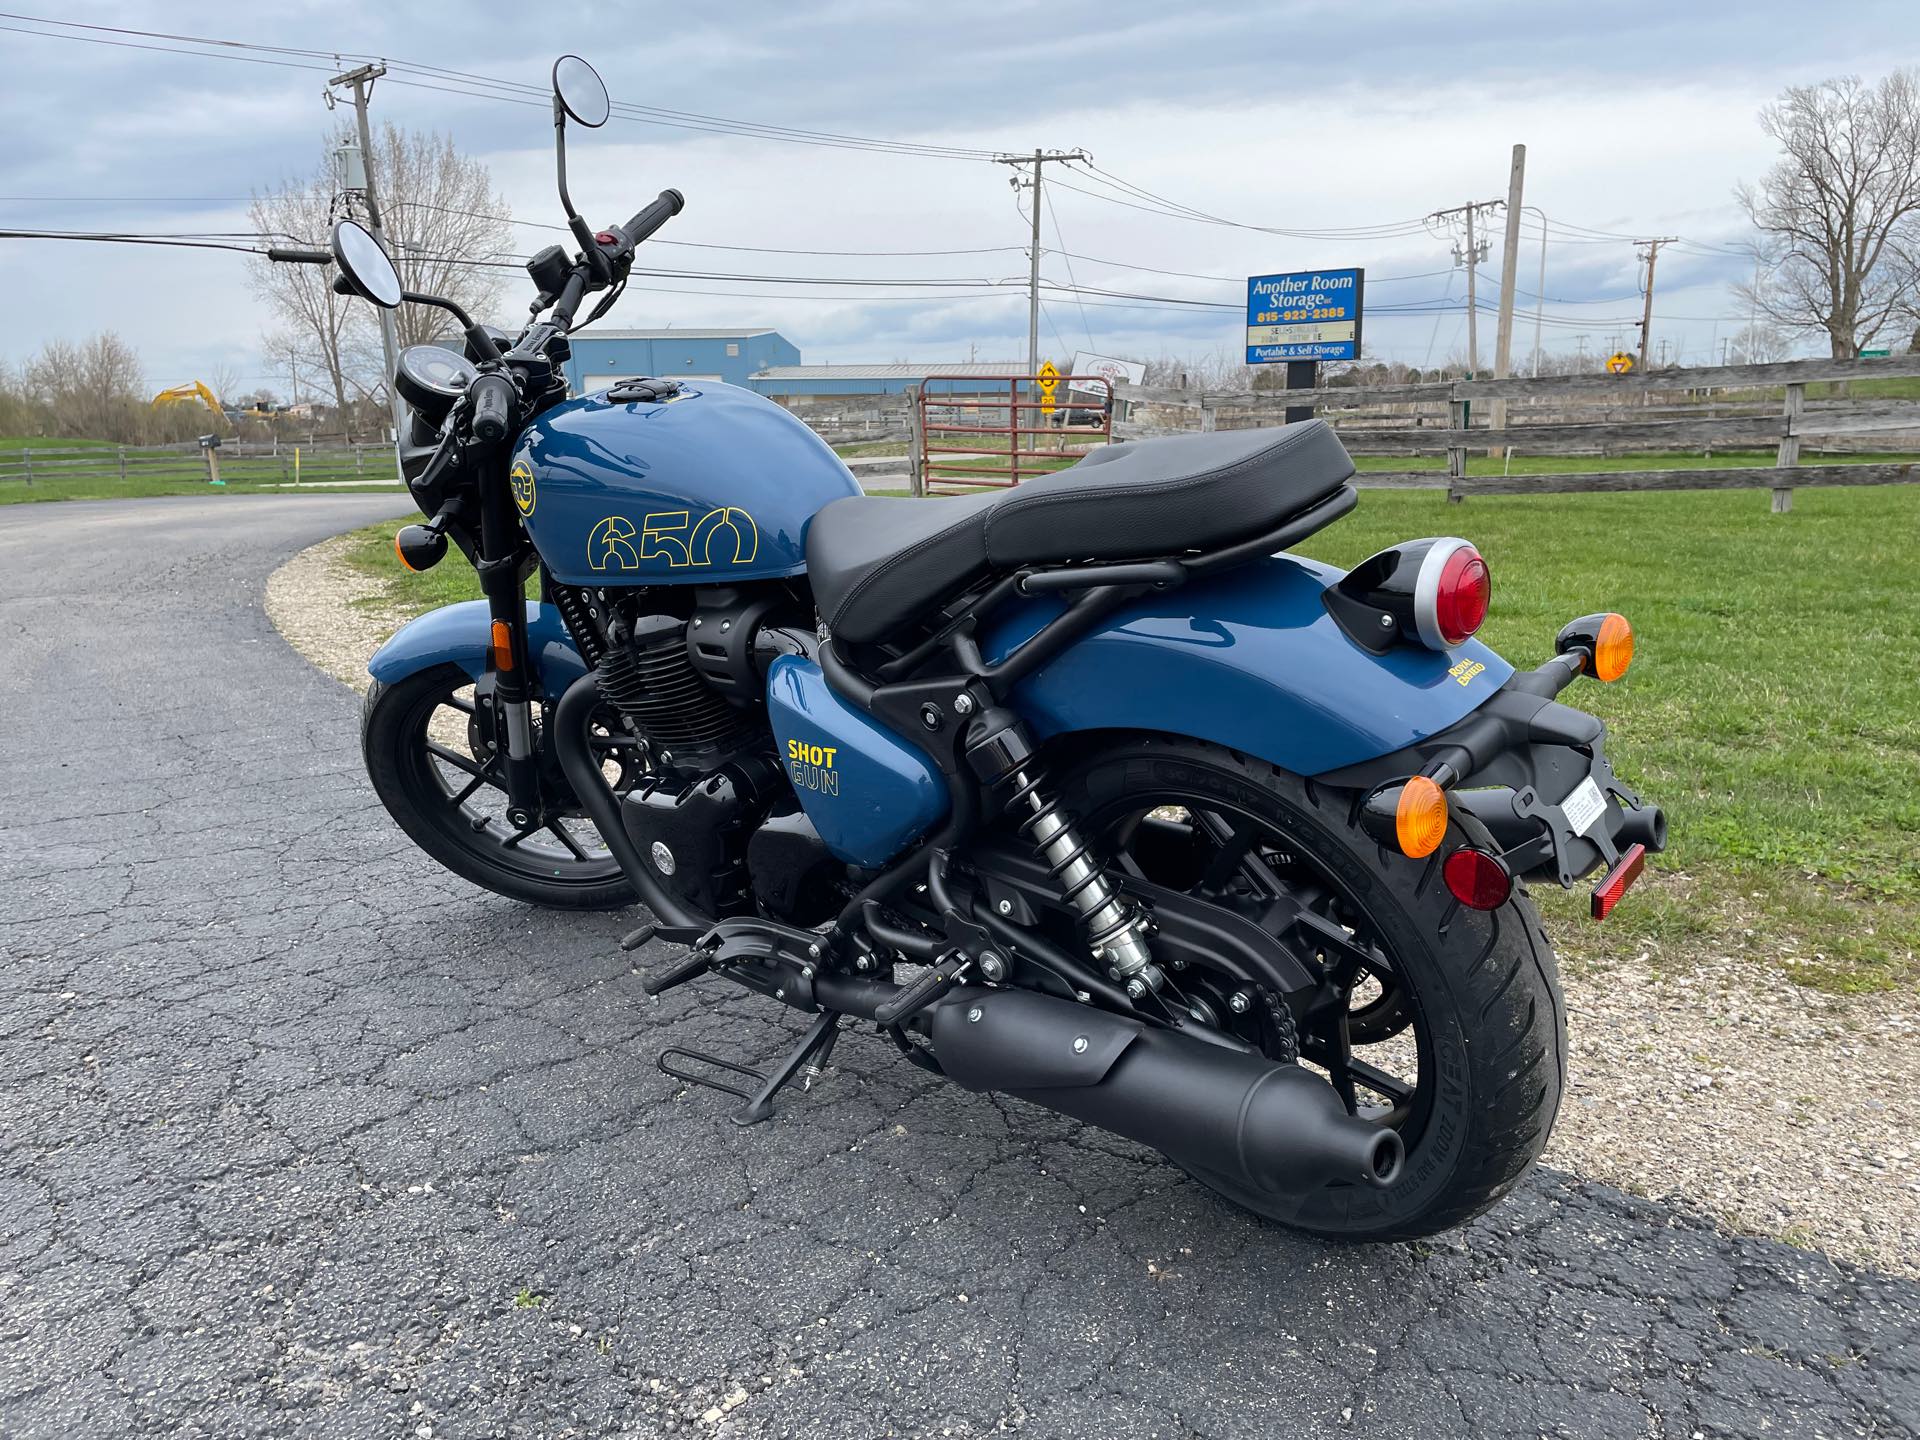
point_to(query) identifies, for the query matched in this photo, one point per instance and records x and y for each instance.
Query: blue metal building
(790, 381)
(601, 357)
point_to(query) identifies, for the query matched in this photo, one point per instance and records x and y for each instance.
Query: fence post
(123, 464)
(1789, 455)
(1207, 418)
(916, 440)
(27, 455)
(1457, 416)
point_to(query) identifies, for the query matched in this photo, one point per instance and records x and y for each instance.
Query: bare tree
(224, 380)
(1761, 344)
(1839, 213)
(448, 228)
(442, 216)
(313, 316)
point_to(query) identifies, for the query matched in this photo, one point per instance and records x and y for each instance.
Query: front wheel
(1443, 1023)
(439, 777)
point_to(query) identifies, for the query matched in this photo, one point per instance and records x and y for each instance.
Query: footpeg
(672, 934)
(807, 1059)
(689, 966)
(928, 986)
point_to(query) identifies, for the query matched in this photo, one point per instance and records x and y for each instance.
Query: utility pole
(1509, 271)
(362, 82)
(1475, 253)
(1650, 252)
(1037, 159)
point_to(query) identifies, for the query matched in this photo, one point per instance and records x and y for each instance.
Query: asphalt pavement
(304, 1137)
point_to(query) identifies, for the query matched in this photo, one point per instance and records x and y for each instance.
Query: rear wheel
(1444, 1023)
(439, 777)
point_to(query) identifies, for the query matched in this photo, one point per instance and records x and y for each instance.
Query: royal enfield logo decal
(1466, 670)
(610, 545)
(521, 477)
(811, 766)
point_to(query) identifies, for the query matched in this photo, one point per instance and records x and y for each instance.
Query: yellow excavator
(186, 394)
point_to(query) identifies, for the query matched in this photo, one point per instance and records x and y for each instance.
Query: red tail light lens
(1461, 598)
(1476, 879)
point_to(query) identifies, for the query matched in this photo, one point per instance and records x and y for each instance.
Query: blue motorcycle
(1084, 792)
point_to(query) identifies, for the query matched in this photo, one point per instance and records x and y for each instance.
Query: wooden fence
(246, 463)
(1700, 411)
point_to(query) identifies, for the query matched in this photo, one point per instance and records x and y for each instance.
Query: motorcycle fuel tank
(711, 484)
(868, 793)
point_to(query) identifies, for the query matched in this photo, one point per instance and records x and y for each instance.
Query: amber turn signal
(1612, 648)
(420, 547)
(1420, 817)
(502, 646)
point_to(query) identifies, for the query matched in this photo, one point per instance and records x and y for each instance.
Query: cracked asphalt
(303, 1137)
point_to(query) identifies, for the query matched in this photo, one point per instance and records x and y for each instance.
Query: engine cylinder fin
(651, 680)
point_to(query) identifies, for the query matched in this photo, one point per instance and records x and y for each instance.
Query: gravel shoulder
(1705, 1081)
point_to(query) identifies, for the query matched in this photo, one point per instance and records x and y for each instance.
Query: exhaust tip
(1385, 1157)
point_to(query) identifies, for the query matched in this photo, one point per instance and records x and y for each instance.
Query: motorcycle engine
(693, 685)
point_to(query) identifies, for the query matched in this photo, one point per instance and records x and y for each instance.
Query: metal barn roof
(675, 333)
(889, 372)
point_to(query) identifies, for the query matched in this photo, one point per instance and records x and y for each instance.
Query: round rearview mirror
(580, 91)
(365, 265)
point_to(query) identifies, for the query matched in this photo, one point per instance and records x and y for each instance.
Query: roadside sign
(1306, 315)
(1049, 377)
(1864, 355)
(1619, 363)
(1090, 369)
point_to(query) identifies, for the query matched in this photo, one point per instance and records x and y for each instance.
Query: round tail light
(1451, 596)
(1476, 879)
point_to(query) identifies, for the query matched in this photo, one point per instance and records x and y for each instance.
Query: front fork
(514, 689)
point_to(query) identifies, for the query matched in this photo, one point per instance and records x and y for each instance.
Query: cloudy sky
(1343, 123)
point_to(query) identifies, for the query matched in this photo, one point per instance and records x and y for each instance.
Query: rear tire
(1478, 991)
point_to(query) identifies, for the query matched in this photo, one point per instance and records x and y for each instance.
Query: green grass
(187, 477)
(1773, 708)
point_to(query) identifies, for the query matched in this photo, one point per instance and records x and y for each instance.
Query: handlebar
(287, 256)
(652, 216)
(493, 398)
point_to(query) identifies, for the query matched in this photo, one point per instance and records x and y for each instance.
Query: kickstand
(808, 1058)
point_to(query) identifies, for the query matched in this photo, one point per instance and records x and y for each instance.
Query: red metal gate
(1007, 429)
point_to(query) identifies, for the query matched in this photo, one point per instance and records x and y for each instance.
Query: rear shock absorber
(1002, 754)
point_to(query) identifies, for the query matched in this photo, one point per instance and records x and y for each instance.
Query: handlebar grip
(493, 400)
(651, 217)
(299, 257)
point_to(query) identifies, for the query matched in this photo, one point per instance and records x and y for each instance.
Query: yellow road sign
(1619, 363)
(1049, 377)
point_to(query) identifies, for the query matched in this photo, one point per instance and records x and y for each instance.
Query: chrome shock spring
(1116, 929)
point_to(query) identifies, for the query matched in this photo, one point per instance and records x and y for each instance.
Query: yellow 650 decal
(724, 536)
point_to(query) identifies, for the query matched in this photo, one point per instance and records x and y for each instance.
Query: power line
(427, 77)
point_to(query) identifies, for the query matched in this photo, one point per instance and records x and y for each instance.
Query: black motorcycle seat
(878, 563)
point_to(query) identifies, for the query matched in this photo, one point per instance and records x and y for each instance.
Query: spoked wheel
(1443, 1023)
(439, 775)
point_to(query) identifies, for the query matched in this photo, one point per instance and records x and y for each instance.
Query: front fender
(1249, 659)
(461, 634)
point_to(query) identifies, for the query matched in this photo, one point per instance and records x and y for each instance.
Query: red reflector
(1461, 600)
(1607, 893)
(1476, 879)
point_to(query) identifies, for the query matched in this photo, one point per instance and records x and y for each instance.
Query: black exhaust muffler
(1277, 1128)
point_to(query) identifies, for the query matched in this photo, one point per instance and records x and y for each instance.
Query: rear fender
(1249, 659)
(461, 633)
